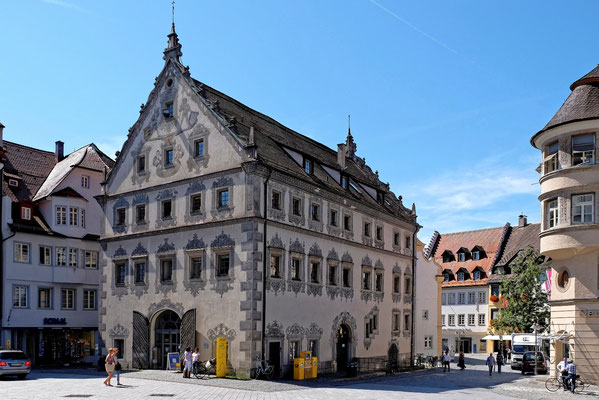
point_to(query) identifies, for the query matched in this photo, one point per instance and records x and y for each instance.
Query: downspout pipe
(413, 296)
(264, 261)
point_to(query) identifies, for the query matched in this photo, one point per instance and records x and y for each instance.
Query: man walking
(499, 361)
(446, 361)
(490, 363)
(571, 378)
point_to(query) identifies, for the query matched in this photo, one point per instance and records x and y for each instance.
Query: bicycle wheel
(552, 384)
(270, 372)
(580, 386)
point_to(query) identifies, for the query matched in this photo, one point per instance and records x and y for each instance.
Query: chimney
(341, 155)
(522, 220)
(1, 134)
(59, 153)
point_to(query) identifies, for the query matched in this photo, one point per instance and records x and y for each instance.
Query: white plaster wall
(426, 298)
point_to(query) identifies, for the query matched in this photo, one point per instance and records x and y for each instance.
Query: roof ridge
(28, 147)
(473, 230)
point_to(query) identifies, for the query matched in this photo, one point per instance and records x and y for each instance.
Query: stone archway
(166, 331)
(343, 331)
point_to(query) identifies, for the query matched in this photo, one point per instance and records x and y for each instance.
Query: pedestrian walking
(109, 365)
(509, 355)
(571, 378)
(499, 361)
(504, 353)
(446, 361)
(117, 366)
(461, 361)
(187, 363)
(195, 360)
(490, 363)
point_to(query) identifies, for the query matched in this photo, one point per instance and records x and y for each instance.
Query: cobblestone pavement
(429, 384)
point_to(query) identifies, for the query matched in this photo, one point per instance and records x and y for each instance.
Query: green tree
(525, 302)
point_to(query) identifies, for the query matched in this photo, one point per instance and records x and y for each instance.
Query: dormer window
(13, 183)
(168, 110)
(463, 254)
(583, 149)
(308, 166)
(447, 276)
(343, 182)
(477, 274)
(478, 253)
(461, 276)
(448, 256)
(379, 197)
(26, 213)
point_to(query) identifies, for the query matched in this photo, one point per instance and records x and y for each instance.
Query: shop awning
(496, 337)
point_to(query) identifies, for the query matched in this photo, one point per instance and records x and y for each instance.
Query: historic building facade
(50, 253)
(220, 222)
(570, 232)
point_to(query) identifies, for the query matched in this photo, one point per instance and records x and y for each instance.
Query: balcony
(566, 241)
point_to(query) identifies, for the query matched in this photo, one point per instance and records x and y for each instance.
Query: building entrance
(167, 336)
(464, 344)
(343, 343)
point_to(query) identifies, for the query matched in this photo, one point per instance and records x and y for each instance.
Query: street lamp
(535, 327)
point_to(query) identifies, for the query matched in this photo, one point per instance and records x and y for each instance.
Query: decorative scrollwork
(222, 240)
(221, 330)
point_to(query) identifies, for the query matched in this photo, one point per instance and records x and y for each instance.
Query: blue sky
(444, 96)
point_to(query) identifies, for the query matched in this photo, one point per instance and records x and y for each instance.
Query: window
(91, 259)
(379, 233)
(315, 272)
(68, 299)
(120, 271)
(396, 239)
(367, 229)
(344, 182)
(562, 279)
(308, 167)
(222, 265)
(428, 342)
(223, 197)
(61, 256)
(333, 217)
(444, 298)
(408, 242)
(73, 216)
(366, 279)
(333, 274)
(168, 110)
(167, 209)
(461, 275)
(140, 213)
(451, 320)
(26, 213)
(61, 215)
(19, 296)
(196, 203)
(13, 182)
(583, 149)
(199, 148)
(445, 276)
(551, 161)
(89, 299)
(141, 164)
(476, 255)
(295, 269)
(378, 281)
(461, 319)
(425, 314)
(471, 298)
(168, 157)
(120, 216)
(140, 272)
(313, 347)
(583, 208)
(407, 322)
(471, 319)
(408, 284)
(551, 213)
(294, 350)
(85, 181)
(451, 298)
(22, 252)
(396, 283)
(73, 253)
(195, 264)
(495, 290)
(347, 222)
(461, 298)
(275, 266)
(447, 256)
(443, 319)
(346, 276)
(166, 270)
(120, 345)
(396, 322)
(482, 297)
(296, 206)
(315, 212)
(494, 314)
(461, 256)
(275, 200)
(481, 319)
(44, 298)
(83, 218)
(477, 275)
(45, 255)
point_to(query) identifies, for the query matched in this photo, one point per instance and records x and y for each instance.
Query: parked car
(14, 362)
(528, 363)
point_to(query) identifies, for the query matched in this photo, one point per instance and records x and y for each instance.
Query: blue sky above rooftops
(444, 96)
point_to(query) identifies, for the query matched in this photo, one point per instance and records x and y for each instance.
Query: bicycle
(204, 368)
(556, 383)
(263, 368)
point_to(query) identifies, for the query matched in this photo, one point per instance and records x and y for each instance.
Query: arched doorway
(343, 343)
(393, 354)
(167, 335)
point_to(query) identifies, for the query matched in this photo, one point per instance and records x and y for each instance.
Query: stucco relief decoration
(166, 194)
(221, 331)
(297, 220)
(296, 285)
(139, 251)
(314, 331)
(222, 240)
(295, 331)
(158, 162)
(347, 258)
(120, 203)
(119, 331)
(273, 213)
(274, 330)
(166, 247)
(195, 243)
(379, 264)
(333, 255)
(223, 181)
(345, 318)
(315, 251)
(140, 199)
(120, 254)
(396, 296)
(166, 304)
(314, 289)
(276, 242)
(316, 225)
(296, 246)
(139, 177)
(366, 261)
(195, 187)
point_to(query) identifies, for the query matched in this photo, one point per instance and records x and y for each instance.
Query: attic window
(344, 181)
(26, 213)
(448, 256)
(379, 197)
(169, 82)
(168, 110)
(308, 166)
(354, 187)
(13, 182)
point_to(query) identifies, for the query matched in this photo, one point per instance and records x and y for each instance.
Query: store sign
(589, 313)
(55, 321)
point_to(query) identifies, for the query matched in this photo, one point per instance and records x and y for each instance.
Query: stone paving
(428, 384)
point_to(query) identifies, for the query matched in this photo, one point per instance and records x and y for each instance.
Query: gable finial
(350, 145)
(173, 14)
(174, 47)
(348, 125)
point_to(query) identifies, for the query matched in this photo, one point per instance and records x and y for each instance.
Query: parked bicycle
(205, 368)
(263, 368)
(555, 384)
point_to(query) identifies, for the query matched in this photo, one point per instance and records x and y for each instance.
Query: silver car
(14, 362)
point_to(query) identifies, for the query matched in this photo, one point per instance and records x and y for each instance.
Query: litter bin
(352, 369)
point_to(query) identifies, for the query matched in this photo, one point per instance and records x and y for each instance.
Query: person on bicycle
(571, 378)
(561, 372)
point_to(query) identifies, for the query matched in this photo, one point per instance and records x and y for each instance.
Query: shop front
(65, 346)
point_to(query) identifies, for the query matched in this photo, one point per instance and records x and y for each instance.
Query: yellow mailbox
(298, 369)
(314, 367)
(221, 357)
(307, 357)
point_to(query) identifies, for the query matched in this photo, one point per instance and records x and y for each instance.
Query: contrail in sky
(400, 19)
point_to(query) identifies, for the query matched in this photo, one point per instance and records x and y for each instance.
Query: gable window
(73, 257)
(140, 272)
(13, 183)
(168, 110)
(223, 197)
(347, 222)
(447, 256)
(26, 213)
(167, 209)
(73, 216)
(333, 274)
(196, 267)
(296, 206)
(583, 149)
(85, 181)
(68, 299)
(315, 212)
(344, 182)
(89, 299)
(379, 233)
(45, 255)
(61, 215)
(295, 268)
(196, 203)
(19, 296)
(315, 272)
(551, 213)
(275, 200)
(446, 276)
(168, 157)
(308, 166)
(141, 164)
(583, 208)
(461, 256)
(367, 229)
(333, 217)
(21, 252)
(140, 213)
(61, 256)
(198, 146)
(121, 214)
(275, 266)
(44, 298)
(223, 263)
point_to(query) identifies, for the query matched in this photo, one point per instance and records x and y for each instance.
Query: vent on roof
(13, 183)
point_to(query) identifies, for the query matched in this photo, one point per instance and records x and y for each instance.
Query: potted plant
(494, 298)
